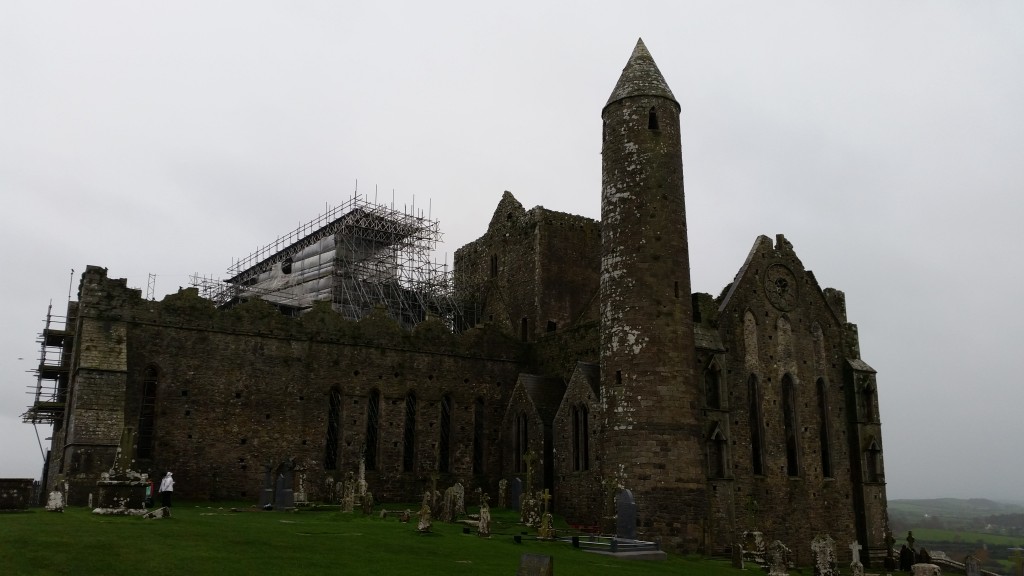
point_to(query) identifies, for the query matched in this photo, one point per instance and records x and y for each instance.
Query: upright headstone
(823, 548)
(972, 566)
(502, 494)
(755, 549)
(737, 556)
(284, 497)
(267, 493)
(367, 503)
(483, 527)
(856, 567)
(906, 558)
(515, 494)
(625, 515)
(448, 506)
(778, 563)
(458, 500)
(423, 525)
(348, 501)
(536, 565)
(530, 514)
(55, 503)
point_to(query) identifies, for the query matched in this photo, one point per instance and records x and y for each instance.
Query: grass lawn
(203, 539)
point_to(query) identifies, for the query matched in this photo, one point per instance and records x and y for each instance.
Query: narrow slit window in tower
(652, 119)
(823, 435)
(147, 414)
(444, 452)
(333, 420)
(478, 436)
(789, 424)
(756, 425)
(409, 448)
(372, 430)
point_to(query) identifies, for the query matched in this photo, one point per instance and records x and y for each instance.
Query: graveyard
(204, 538)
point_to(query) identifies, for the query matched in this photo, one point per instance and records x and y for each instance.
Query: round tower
(651, 442)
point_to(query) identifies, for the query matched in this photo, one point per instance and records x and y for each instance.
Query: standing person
(166, 489)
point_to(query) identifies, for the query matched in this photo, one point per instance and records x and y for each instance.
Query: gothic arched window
(580, 438)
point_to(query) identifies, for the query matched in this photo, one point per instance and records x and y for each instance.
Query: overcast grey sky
(884, 139)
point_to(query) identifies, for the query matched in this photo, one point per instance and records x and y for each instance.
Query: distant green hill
(951, 508)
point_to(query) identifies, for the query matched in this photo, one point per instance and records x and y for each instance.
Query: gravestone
(502, 494)
(536, 565)
(925, 569)
(546, 530)
(284, 496)
(448, 506)
(164, 512)
(483, 527)
(530, 515)
(267, 493)
(423, 525)
(755, 549)
(348, 501)
(737, 556)
(972, 566)
(778, 559)
(55, 503)
(458, 501)
(923, 556)
(856, 568)
(906, 558)
(406, 516)
(367, 503)
(625, 515)
(890, 553)
(823, 549)
(515, 494)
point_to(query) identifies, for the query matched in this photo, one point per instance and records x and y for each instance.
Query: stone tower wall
(649, 400)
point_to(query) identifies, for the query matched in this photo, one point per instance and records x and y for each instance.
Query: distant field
(201, 540)
(993, 540)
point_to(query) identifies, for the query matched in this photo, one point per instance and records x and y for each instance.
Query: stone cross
(855, 549)
(910, 540)
(547, 500)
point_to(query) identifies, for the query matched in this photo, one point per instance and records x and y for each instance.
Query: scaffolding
(359, 255)
(50, 390)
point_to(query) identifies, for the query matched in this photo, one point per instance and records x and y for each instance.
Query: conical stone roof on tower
(641, 77)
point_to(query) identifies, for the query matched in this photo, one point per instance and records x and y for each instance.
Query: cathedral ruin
(559, 345)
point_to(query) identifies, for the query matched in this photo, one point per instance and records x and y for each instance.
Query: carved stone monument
(823, 550)
(625, 515)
